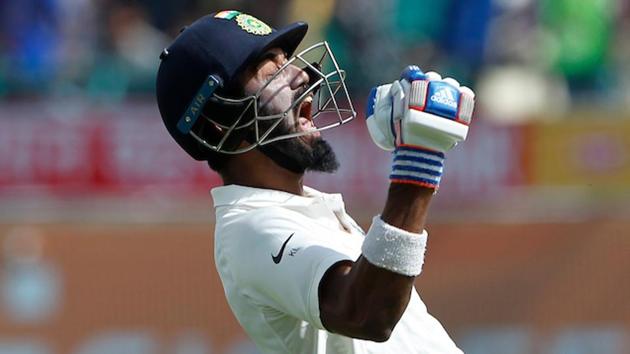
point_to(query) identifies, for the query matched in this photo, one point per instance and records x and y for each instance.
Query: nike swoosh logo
(277, 258)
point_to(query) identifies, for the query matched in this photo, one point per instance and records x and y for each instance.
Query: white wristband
(394, 249)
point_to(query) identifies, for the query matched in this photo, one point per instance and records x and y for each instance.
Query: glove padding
(419, 117)
(421, 110)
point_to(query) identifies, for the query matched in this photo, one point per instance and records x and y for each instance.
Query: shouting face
(281, 89)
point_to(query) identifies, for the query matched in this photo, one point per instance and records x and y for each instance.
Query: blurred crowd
(525, 58)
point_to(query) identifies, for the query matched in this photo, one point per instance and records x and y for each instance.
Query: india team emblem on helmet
(252, 25)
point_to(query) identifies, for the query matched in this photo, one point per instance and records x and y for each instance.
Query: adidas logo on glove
(445, 96)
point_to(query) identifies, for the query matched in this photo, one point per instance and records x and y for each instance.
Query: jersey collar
(259, 197)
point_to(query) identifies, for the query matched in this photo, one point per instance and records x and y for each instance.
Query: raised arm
(361, 300)
(366, 299)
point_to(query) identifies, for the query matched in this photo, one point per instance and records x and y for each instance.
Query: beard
(298, 156)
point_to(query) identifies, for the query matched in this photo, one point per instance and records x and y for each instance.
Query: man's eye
(268, 56)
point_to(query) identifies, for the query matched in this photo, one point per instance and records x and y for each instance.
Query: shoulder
(257, 220)
(258, 229)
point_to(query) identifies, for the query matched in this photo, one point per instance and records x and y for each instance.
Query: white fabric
(394, 249)
(379, 124)
(277, 304)
(432, 131)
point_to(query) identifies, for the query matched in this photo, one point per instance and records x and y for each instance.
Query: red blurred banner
(115, 152)
(96, 155)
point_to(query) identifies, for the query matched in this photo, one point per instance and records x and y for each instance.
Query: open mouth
(305, 119)
(305, 115)
(304, 110)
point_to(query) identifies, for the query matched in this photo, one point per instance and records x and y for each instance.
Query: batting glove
(419, 117)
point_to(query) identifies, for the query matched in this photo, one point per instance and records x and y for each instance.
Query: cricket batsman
(298, 272)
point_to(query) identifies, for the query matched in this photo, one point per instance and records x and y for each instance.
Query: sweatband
(394, 249)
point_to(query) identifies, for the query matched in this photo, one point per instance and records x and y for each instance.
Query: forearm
(374, 298)
(407, 206)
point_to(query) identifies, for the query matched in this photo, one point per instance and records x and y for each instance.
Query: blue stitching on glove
(371, 103)
(412, 73)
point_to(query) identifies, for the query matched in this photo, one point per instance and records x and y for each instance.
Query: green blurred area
(108, 51)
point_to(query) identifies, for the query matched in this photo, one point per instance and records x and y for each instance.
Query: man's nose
(299, 77)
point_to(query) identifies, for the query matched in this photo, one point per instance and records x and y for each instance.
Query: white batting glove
(420, 117)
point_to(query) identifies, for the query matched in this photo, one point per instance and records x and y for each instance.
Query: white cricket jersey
(272, 249)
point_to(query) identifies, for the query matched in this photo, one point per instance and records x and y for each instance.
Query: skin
(356, 299)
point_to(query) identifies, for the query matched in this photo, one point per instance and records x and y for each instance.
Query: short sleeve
(277, 259)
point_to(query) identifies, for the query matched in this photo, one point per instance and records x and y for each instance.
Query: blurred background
(106, 226)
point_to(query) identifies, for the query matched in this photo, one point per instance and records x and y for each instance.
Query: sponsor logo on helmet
(252, 25)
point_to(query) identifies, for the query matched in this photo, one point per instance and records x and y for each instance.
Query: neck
(254, 169)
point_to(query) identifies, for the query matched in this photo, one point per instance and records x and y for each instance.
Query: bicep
(331, 289)
(361, 300)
